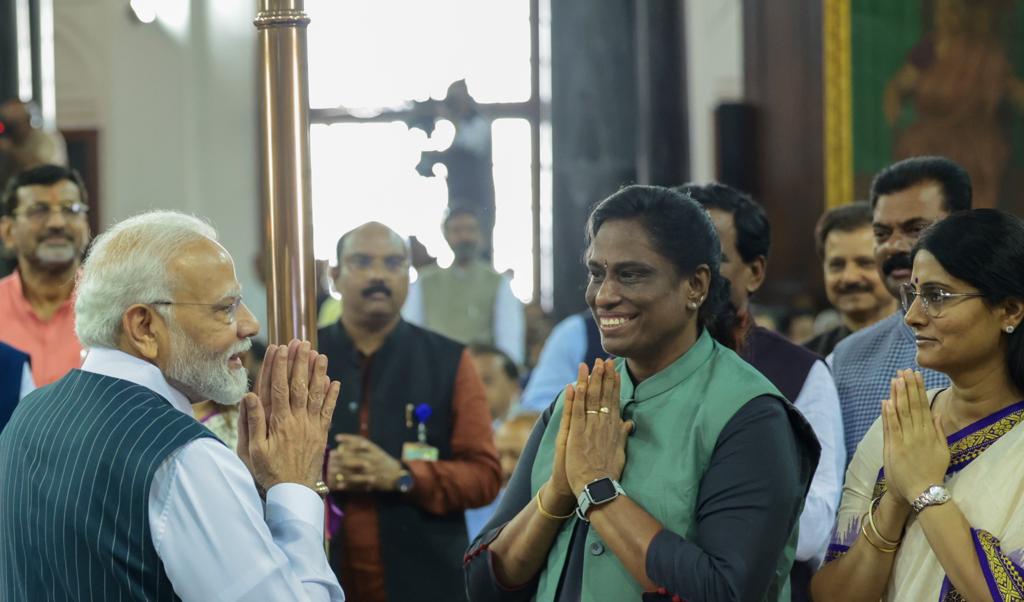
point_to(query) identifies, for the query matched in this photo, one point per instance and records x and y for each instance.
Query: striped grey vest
(76, 463)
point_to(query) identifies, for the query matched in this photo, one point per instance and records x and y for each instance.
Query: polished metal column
(284, 144)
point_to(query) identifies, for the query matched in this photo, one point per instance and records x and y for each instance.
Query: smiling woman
(931, 508)
(587, 518)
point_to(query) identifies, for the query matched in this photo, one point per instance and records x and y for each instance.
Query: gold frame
(838, 99)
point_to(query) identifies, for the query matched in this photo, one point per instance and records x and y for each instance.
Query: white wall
(175, 105)
(714, 55)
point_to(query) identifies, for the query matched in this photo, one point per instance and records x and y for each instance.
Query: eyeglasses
(933, 299)
(40, 212)
(225, 311)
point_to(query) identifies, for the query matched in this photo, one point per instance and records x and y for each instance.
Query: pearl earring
(692, 305)
(1009, 329)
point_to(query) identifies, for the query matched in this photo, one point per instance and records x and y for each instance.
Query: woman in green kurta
(703, 502)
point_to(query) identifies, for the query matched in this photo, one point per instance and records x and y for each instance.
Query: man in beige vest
(468, 301)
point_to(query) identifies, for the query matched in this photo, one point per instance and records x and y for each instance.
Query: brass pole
(284, 144)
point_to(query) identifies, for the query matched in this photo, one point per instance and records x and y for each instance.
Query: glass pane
(384, 53)
(366, 172)
(513, 222)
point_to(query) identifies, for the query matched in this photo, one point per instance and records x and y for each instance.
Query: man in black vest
(109, 487)
(413, 432)
(799, 374)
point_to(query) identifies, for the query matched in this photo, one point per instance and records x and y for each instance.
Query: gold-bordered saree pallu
(986, 480)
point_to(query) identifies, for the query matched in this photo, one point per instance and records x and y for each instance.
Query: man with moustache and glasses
(109, 487)
(44, 221)
(413, 439)
(845, 243)
(906, 198)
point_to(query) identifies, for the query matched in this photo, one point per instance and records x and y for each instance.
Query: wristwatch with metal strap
(933, 496)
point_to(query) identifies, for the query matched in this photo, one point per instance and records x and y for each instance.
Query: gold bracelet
(545, 513)
(864, 532)
(874, 529)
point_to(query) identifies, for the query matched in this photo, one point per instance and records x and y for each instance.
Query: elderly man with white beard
(110, 489)
(43, 220)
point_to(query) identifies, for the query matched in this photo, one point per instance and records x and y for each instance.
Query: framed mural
(916, 77)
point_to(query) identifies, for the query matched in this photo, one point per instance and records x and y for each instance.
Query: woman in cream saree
(933, 504)
(986, 481)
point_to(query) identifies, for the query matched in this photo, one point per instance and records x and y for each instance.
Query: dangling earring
(1009, 329)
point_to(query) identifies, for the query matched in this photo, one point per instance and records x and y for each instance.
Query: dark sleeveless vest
(12, 370)
(422, 552)
(76, 463)
(785, 363)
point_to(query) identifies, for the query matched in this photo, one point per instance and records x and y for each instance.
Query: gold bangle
(545, 513)
(874, 529)
(864, 532)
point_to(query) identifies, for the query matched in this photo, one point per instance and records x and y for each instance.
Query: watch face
(601, 490)
(938, 493)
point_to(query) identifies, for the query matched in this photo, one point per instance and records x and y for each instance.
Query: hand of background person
(358, 464)
(287, 445)
(915, 452)
(596, 443)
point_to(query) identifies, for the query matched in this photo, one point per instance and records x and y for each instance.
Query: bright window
(370, 57)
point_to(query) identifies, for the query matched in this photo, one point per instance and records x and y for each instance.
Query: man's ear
(140, 330)
(758, 271)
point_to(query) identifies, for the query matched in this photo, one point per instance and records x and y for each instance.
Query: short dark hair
(753, 232)
(984, 247)
(455, 212)
(43, 175)
(507, 365)
(954, 180)
(846, 218)
(682, 232)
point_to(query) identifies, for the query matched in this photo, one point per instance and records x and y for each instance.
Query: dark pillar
(618, 114)
(663, 140)
(783, 80)
(8, 50)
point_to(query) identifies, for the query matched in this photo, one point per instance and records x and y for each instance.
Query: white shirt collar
(118, 364)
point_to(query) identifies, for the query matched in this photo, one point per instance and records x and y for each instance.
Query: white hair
(127, 265)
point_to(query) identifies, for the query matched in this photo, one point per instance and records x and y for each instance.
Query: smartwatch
(597, 492)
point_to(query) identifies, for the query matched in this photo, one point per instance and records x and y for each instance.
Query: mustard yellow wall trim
(838, 103)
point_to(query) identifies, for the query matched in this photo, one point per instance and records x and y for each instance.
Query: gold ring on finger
(604, 410)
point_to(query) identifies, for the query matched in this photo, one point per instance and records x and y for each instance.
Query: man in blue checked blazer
(906, 198)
